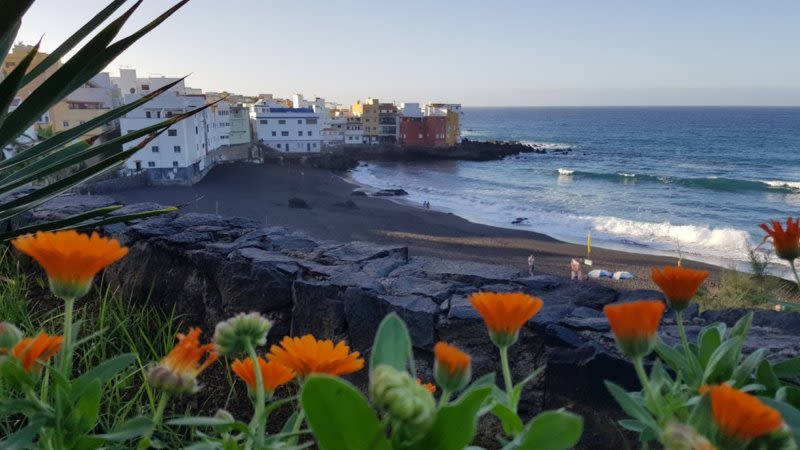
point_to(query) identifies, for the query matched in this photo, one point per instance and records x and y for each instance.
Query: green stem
(66, 361)
(445, 397)
(158, 416)
(301, 416)
(260, 395)
(794, 270)
(682, 331)
(507, 377)
(650, 398)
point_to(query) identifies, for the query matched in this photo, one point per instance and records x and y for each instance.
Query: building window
(281, 122)
(65, 123)
(177, 148)
(158, 114)
(311, 121)
(174, 163)
(169, 113)
(196, 130)
(263, 121)
(145, 87)
(284, 133)
(81, 122)
(151, 163)
(172, 132)
(299, 121)
(315, 145)
(309, 133)
(279, 145)
(299, 133)
(154, 148)
(274, 133)
(148, 114)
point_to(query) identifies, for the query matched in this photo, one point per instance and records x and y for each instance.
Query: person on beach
(575, 270)
(531, 263)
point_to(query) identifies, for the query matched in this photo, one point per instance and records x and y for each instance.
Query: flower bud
(405, 401)
(10, 335)
(452, 368)
(240, 332)
(678, 436)
(165, 380)
(224, 415)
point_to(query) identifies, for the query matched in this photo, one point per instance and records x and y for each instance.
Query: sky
(478, 53)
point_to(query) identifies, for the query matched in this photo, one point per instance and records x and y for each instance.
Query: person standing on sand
(575, 270)
(531, 263)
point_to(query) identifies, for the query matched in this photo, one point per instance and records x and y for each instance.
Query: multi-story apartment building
(453, 113)
(388, 123)
(96, 97)
(240, 125)
(334, 130)
(183, 153)
(369, 112)
(287, 129)
(354, 131)
(17, 54)
(128, 83)
(427, 131)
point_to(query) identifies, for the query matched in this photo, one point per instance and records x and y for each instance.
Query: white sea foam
(626, 175)
(783, 184)
(548, 145)
(565, 171)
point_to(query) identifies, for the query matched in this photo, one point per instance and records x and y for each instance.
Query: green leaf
(392, 345)
(85, 413)
(709, 339)
(101, 373)
(9, 22)
(11, 83)
(632, 425)
(131, 429)
(789, 394)
(552, 430)
(766, 376)
(455, 423)
(745, 372)
(73, 40)
(722, 361)
(742, 326)
(512, 424)
(631, 406)
(340, 416)
(13, 374)
(23, 438)
(787, 369)
(516, 392)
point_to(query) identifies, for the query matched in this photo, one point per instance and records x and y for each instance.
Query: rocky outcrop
(207, 268)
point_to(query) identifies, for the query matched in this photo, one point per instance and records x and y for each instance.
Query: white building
(184, 151)
(410, 110)
(354, 131)
(128, 83)
(334, 130)
(287, 129)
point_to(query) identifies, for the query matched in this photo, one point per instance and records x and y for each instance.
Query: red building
(428, 131)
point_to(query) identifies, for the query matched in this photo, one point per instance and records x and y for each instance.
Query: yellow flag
(589, 244)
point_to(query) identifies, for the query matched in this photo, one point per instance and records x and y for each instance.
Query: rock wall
(208, 268)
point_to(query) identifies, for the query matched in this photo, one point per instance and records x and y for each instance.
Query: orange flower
(32, 352)
(70, 259)
(505, 313)
(430, 387)
(452, 368)
(786, 242)
(678, 284)
(635, 325)
(306, 355)
(740, 415)
(273, 374)
(178, 371)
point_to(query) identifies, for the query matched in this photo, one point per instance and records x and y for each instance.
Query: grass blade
(69, 222)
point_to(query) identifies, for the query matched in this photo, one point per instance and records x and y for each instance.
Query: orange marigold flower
(635, 325)
(430, 387)
(306, 355)
(786, 242)
(505, 313)
(178, 371)
(33, 352)
(678, 284)
(740, 415)
(452, 368)
(273, 374)
(70, 259)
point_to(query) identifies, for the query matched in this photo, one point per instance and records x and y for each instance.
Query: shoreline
(261, 192)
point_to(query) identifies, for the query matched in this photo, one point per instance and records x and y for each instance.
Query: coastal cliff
(208, 267)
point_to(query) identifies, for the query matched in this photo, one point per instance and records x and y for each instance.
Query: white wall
(287, 129)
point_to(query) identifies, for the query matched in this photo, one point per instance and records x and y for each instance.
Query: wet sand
(262, 192)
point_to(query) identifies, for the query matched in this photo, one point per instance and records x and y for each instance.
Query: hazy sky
(497, 52)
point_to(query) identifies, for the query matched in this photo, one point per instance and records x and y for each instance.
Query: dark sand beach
(262, 192)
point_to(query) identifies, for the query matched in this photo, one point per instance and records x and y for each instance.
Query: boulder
(390, 193)
(297, 202)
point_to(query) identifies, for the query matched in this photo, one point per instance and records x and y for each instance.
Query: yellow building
(369, 111)
(18, 53)
(453, 127)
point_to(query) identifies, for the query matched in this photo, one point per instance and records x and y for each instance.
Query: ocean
(694, 181)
